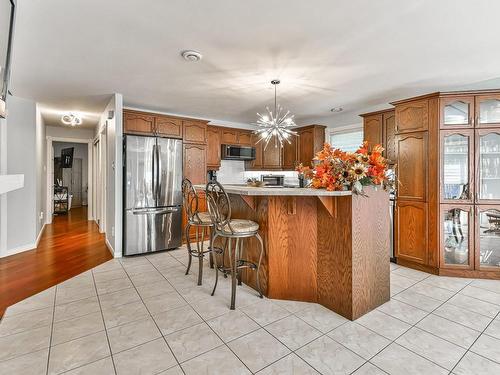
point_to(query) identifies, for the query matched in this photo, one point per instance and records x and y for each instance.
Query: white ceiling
(358, 54)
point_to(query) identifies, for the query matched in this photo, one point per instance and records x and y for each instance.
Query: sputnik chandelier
(275, 124)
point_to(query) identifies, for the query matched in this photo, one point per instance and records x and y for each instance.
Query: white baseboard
(19, 249)
(39, 235)
(111, 250)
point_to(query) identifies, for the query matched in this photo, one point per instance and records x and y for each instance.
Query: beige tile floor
(142, 315)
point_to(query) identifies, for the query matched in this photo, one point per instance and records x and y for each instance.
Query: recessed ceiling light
(72, 119)
(336, 109)
(190, 55)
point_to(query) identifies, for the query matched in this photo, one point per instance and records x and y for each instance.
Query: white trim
(111, 250)
(19, 249)
(50, 167)
(340, 129)
(39, 235)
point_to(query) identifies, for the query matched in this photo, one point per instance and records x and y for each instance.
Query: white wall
(41, 171)
(114, 172)
(22, 224)
(80, 152)
(69, 132)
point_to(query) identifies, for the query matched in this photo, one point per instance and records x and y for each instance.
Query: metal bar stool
(201, 221)
(219, 208)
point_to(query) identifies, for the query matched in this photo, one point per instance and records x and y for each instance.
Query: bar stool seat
(202, 218)
(236, 226)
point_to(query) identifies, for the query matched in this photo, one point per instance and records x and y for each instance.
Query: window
(347, 140)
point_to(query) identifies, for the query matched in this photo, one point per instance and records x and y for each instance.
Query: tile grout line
(51, 329)
(104, 324)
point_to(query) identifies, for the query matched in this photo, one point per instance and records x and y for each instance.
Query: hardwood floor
(68, 247)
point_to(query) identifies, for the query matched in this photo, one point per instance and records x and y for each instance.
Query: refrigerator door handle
(153, 174)
(158, 169)
(155, 211)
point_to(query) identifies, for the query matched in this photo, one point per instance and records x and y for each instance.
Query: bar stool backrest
(190, 200)
(219, 206)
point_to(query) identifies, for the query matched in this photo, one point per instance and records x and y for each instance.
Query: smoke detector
(190, 55)
(336, 109)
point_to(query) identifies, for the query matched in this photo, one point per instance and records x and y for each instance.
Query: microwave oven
(273, 180)
(236, 152)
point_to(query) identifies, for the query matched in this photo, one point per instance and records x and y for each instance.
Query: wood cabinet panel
(311, 140)
(290, 154)
(138, 123)
(411, 231)
(168, 127)
(245, 138)
(372, 129)
(195, 162)
(213, 147)
(255, 164)
(195, 132)
(412, 166)
(229, 136)
(412, 116)
(389, 136)
(271, 157)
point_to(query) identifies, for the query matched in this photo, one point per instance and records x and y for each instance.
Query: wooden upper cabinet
(195, 131)
(138, 123)
(255, 164)
(412, 166)
(456, 112)
(271, 156)
(245, 138)
(411, 231)
(412, 116)
(311, 140)
(213, 147)
(290, 154)
(487, 110)
(229, 136)
(168, 127)
(195, 161)
(372, 129)
(389, 136)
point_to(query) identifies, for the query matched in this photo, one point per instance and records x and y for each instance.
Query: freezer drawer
(148, 230)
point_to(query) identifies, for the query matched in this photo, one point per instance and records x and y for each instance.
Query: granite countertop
(290, 191)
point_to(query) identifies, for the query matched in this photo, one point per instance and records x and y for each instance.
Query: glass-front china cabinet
(470, 182)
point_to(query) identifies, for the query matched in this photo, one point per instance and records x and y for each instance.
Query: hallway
(68, 247)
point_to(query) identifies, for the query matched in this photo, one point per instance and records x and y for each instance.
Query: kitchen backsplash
(233, 172)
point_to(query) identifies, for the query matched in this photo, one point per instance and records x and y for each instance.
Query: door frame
(50, 171)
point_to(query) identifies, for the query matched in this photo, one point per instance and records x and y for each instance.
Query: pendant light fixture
(275, 124)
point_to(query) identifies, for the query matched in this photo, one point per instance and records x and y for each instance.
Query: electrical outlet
(41, 216)
(113, 231)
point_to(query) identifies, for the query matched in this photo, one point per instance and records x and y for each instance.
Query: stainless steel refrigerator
(153, 195)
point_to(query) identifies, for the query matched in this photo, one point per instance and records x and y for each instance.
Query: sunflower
(358, 171)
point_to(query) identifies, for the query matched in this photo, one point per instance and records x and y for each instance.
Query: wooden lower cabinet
(411, 231)
(202, 207)
(487, 238)
(456, 236)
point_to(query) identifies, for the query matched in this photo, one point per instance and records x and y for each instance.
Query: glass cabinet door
(488, 237)
(457, 112)
(456, 166)
(488, 166)
(456, 240)
(487, 110)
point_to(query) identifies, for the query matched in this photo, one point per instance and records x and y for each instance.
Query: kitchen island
(320, 246)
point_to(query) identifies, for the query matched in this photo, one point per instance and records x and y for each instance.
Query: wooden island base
(333, 250)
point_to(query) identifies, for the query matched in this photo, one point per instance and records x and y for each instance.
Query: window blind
(347, 140)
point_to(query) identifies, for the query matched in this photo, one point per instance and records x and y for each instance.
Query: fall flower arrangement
(335, 169)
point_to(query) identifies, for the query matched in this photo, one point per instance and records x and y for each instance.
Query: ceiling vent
(191, 55)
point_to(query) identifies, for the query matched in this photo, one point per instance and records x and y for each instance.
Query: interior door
(76, 183)
(169, 172)
(139, 173)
